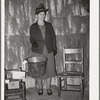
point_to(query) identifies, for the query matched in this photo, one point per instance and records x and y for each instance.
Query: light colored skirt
(51, 66)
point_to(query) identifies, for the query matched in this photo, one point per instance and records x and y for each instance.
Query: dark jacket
(36, 38)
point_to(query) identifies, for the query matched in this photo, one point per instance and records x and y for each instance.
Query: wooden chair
(12, 92)
(73, 61)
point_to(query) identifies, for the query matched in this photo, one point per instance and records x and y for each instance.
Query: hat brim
(42, 10)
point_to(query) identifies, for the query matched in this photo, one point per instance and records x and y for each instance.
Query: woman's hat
(40, 8)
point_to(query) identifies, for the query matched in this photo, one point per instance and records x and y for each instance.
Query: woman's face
(41, 16)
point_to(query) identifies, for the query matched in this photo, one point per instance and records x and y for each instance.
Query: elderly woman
(43, 40)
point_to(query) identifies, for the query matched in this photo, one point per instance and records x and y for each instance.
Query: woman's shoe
(40, 92)
(49, 91)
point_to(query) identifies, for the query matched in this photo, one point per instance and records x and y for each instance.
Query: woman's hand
(34, 44)
(54, 52)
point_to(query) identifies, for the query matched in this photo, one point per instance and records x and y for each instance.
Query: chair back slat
(72, 51)
(73, 56)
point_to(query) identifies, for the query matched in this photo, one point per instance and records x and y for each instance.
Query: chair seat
(70, 73)
(11, 92)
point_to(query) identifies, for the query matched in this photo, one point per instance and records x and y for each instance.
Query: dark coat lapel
(39, 31)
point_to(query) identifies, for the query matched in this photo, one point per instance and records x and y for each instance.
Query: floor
(32, 94)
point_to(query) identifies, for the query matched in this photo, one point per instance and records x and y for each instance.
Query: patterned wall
(70, 19)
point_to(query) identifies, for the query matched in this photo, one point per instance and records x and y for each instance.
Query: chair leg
(25, 94)
(5, 98)
(82, 87)
(65, 82)
(59, 86)
(24, 91)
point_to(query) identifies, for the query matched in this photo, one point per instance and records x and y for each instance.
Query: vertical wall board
(70, 19)
(53, 9)
(85, 24)
(58, 26)
(77, 24)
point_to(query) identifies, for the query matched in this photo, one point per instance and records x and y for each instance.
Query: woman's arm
(32, 37)
(53, 40)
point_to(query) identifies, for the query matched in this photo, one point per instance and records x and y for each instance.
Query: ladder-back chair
(73, 60)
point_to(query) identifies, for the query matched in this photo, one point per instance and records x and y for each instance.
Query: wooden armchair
(14, 85)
